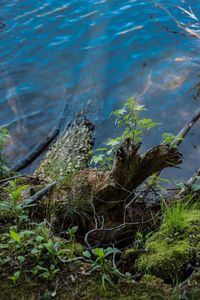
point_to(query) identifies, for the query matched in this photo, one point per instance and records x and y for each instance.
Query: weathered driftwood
(41, 193)
(130, 169)
(189, 124)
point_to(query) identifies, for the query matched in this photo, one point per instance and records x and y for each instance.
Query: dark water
(93, 55)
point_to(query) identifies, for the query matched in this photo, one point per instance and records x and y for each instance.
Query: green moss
(169, 256)
(164, 258)
(128, 258)
(78, 249)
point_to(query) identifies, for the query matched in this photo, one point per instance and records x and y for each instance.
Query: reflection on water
(94, 55)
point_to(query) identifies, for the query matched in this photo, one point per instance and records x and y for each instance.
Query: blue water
(93, 55)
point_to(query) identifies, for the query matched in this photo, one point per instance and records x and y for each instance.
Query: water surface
(93, 55)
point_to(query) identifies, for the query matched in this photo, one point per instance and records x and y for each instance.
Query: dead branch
(189, 124)
(131, 169)
(41, 193)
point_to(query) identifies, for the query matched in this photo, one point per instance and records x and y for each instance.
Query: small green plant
(15, 236)
(169, 138)
(133, 126)
(157, 183)
(102, 264)
(21, 260)
(173, 216)
(15, 277)
(13, 206)
(45, 248)
(139, 240)
(75, 209)
(47, 274)
(71, 235)
(37, 248)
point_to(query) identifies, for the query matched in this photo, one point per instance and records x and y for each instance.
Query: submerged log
(70, 151)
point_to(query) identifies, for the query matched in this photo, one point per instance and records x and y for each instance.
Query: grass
(173, 216)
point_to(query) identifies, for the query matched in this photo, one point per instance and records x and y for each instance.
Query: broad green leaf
(15, 236)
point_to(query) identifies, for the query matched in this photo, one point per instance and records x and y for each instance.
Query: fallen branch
(41, 193)
(183, 132)
(130, 169)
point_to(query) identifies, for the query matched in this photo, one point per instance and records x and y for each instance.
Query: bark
(130, 169)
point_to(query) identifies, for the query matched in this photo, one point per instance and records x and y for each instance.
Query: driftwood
(41, 193)
(189, 124)
(130, 169)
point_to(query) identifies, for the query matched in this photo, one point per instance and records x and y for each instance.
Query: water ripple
(98, 53)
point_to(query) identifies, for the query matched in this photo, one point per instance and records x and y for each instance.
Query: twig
(37, 196)
(7, 180)
(13, 177)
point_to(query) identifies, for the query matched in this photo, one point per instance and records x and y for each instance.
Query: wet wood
(130, 169)
(189, 124)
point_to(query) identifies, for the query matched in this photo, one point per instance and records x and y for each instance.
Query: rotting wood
(130, 169)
